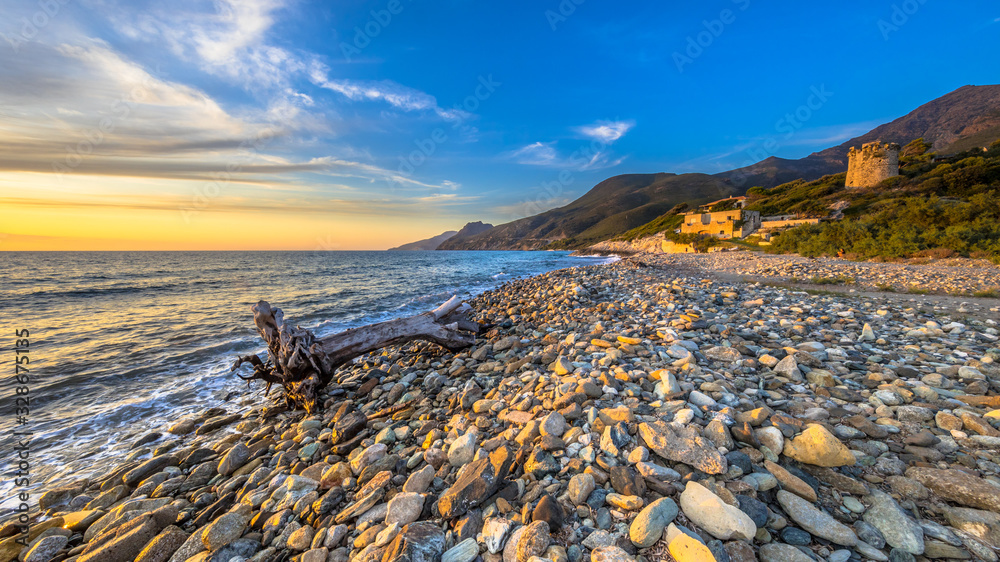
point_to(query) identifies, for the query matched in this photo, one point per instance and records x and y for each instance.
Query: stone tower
(872, 164)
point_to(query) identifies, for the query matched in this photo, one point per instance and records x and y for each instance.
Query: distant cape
(427, 244)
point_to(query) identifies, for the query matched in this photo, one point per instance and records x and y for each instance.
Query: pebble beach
(640, 410)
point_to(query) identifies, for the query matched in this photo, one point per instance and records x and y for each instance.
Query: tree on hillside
(914, 150)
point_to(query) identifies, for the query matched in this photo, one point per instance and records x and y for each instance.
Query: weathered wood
(304, 364)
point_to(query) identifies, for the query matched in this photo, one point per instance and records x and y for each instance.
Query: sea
(125, 343)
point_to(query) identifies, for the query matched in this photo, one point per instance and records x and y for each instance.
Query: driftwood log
(304, 364)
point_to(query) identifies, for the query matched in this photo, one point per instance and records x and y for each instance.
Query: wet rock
(236, 457)
(46, 548)
(225, 529)
(155, 464)
(161, 548)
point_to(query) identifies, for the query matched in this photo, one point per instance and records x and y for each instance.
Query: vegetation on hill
(796, 198)
(665, 223)
(620, 204)
(610, 208)
(936, 207)
(668, 224)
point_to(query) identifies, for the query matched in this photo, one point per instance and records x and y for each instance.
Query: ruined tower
(872, 164)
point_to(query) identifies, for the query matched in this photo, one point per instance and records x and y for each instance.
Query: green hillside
(943, 208)
(612, 207)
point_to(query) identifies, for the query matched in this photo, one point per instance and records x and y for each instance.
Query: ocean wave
(116, 365)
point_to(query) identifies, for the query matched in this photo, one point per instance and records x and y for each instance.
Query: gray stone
(683, 444)
(417, 542)
(898, 529)
(580, 487)
(462, 450)
(404, 508)
(495, 531)
(817, 522)
(647, 527)
(465, 551)
(236, 457)
(777, 552)
(225, 529)
(46, 548)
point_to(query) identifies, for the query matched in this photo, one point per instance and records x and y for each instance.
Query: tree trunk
(303, 364)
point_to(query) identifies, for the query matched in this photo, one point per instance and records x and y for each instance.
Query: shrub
(892, 183)
(936, 253)
(838, 280)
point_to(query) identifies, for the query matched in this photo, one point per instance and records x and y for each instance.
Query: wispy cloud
(606, 131)
(545, 154)
(87, 110)
(228, 40)
(234, 42)
(396, 95)
(596, 155)
(536, 154)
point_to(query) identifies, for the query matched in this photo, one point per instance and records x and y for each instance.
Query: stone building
(736, 223)
(872, 164)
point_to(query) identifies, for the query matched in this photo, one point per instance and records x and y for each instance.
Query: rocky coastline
(639, 410)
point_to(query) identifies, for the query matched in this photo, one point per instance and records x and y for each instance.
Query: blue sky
(365, 124)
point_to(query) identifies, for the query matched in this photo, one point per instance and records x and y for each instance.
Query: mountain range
(435, 242)
(957, 121)
(431, 243)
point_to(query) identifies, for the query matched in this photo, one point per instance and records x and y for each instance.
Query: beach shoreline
(595, 399)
